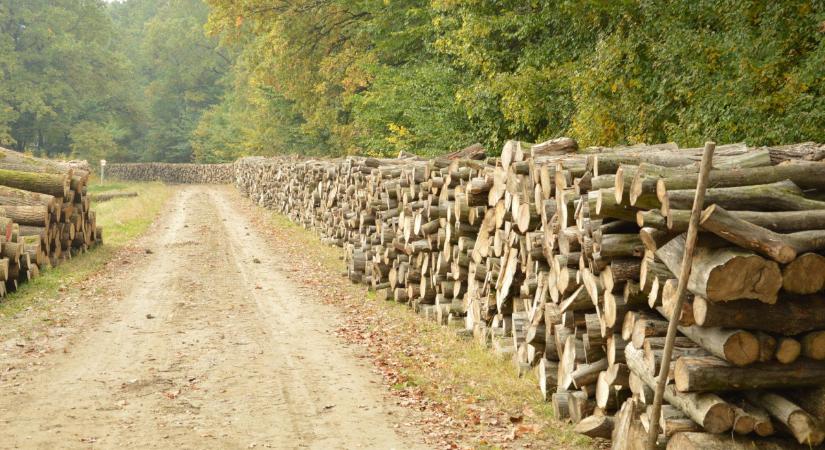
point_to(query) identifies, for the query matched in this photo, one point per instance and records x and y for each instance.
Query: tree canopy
(194, 80)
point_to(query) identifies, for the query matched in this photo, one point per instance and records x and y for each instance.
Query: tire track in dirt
(207, 345)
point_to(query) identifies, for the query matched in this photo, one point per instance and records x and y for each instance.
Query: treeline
(125, 81)
(184, 80)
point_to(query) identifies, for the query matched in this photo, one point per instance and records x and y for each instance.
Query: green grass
(122, 219)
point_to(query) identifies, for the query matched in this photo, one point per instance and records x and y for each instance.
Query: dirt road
(206, 344)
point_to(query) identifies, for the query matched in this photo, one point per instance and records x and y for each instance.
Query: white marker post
(102, 169)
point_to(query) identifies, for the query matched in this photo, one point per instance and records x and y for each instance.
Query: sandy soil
(202, 343)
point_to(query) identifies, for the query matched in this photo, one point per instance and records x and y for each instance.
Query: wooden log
(791, 315)
(779, 221)
(580, 406)
(723, 274)
(106, 196)
(548, 377)
(711, 374)
(787, 350)
(762, 424)
(673, 421)
(813, 345)
(805, 428)
(812, 400)
(596, 426)
(708, 410)
(807, 151)
(780, 196)
(737, 347)
(707, 441)
(805, 274)
(587, 374)
(806, 176)
(35, 215)
(767, 346)
(44, 183)
(779, 247)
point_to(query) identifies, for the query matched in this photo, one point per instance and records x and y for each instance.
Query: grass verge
(430, 367)
(122, 219)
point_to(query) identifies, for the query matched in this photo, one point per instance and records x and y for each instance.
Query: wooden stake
(687, 261)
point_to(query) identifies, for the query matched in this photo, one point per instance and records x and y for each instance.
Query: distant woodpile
(564, 260)
(172, 173)
(45, 216)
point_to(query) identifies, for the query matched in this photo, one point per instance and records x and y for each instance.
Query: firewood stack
(172, 173)
(45, 216)
(564, 260)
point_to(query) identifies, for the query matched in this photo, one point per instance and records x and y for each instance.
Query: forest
(209, 81)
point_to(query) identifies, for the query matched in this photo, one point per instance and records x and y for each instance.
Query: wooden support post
(687, 262)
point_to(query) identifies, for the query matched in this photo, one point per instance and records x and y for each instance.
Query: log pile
(564, 260)
(45, 216)
(172, 173)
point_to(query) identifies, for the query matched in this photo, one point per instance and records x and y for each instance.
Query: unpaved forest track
(210, 345)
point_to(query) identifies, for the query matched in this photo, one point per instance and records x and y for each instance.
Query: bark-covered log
(782, 248)
(737, 347)
(780, 196)
(711, 374)
(44, 183)
(805, 428)
(806, 176)
(708, 441)
(708, 410)
(724, 274)
(791, 315)
(596, 427)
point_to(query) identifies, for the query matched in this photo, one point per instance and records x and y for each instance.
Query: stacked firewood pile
(172, 173)
(45, 216)
(564, 260)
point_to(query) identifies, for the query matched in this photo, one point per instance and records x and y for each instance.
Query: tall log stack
(172, 173)
(564, 260)
(45, 216)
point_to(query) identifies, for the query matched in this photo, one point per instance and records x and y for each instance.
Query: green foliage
(95, 141)
(58, 68)
(210, 80)
(411, 108)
